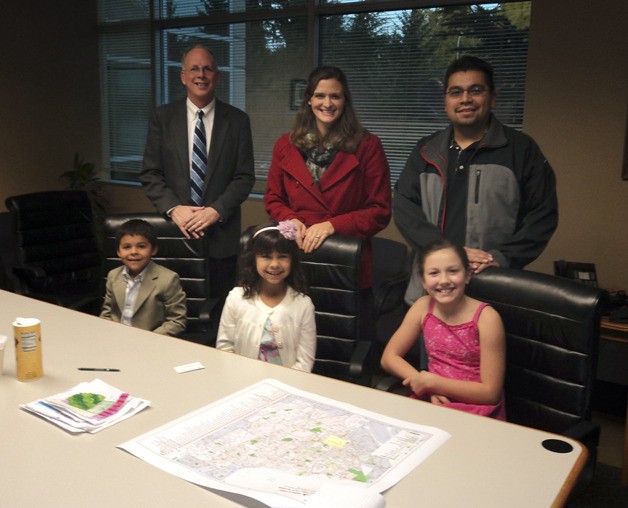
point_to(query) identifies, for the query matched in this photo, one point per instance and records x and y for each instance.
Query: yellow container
(28, 348)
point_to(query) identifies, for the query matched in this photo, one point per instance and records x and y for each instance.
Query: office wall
(49, 92)
(576, 107)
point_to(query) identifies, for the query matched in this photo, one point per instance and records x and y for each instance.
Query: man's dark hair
(471, 63)
(137, 227)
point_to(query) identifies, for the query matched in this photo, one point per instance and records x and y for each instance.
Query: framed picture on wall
(297, 92)
(624, 173)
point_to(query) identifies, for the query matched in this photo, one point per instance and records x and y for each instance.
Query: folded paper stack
(88, 407)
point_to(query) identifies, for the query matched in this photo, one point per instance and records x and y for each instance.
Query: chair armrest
(29, 273)
(89, 304)
(390, 384)
(207, 310)
(587, 433)
(359, 359)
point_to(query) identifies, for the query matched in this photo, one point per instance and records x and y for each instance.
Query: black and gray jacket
(512, 208)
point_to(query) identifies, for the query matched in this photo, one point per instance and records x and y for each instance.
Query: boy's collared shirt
(132, 290)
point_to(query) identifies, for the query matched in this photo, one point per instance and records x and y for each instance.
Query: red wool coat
(354, 194)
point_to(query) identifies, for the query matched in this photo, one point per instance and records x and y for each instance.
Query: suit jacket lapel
(119, 289)
(179, 130)
(147, 286)
(219, 134)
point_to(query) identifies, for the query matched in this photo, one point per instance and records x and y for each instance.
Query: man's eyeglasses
(198, 70)
(473, 91)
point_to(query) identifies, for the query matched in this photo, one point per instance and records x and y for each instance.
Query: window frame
(312, 10)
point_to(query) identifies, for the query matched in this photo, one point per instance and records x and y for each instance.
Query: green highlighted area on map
(359, 475)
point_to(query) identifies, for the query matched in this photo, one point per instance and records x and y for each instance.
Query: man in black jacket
(478, 183)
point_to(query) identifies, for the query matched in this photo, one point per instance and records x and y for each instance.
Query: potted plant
(83, 177)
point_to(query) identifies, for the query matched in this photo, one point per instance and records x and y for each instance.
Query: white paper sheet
(280, 445)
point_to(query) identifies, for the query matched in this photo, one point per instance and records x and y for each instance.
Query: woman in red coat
(328, 174)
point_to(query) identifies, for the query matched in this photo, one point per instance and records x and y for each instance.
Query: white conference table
(485, 462)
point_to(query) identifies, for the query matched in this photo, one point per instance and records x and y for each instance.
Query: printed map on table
(276, 440)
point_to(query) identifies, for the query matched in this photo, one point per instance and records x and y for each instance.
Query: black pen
(98, 369)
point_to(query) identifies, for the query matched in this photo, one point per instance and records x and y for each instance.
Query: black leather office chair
(391, 274)
(333, 275)
(552, 330)
(186, 257)
(56, 252)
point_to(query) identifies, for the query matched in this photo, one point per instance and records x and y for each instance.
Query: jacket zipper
(478, 173)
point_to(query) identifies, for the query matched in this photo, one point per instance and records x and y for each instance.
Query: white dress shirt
(132, 290)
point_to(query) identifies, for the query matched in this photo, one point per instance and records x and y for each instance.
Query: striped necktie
(199, 160)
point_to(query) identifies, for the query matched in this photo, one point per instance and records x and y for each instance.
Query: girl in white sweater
(268, 315)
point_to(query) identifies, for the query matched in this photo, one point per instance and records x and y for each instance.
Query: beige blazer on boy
(160, 305)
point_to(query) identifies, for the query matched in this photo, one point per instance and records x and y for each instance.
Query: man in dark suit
(211, 209)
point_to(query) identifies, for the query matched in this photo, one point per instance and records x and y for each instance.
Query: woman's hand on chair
(315, 235)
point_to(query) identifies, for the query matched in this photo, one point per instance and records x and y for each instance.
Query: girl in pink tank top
(464, 339)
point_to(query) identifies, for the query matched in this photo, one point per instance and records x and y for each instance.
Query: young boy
(142, 293)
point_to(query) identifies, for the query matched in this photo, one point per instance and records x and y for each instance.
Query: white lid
(26, 321)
